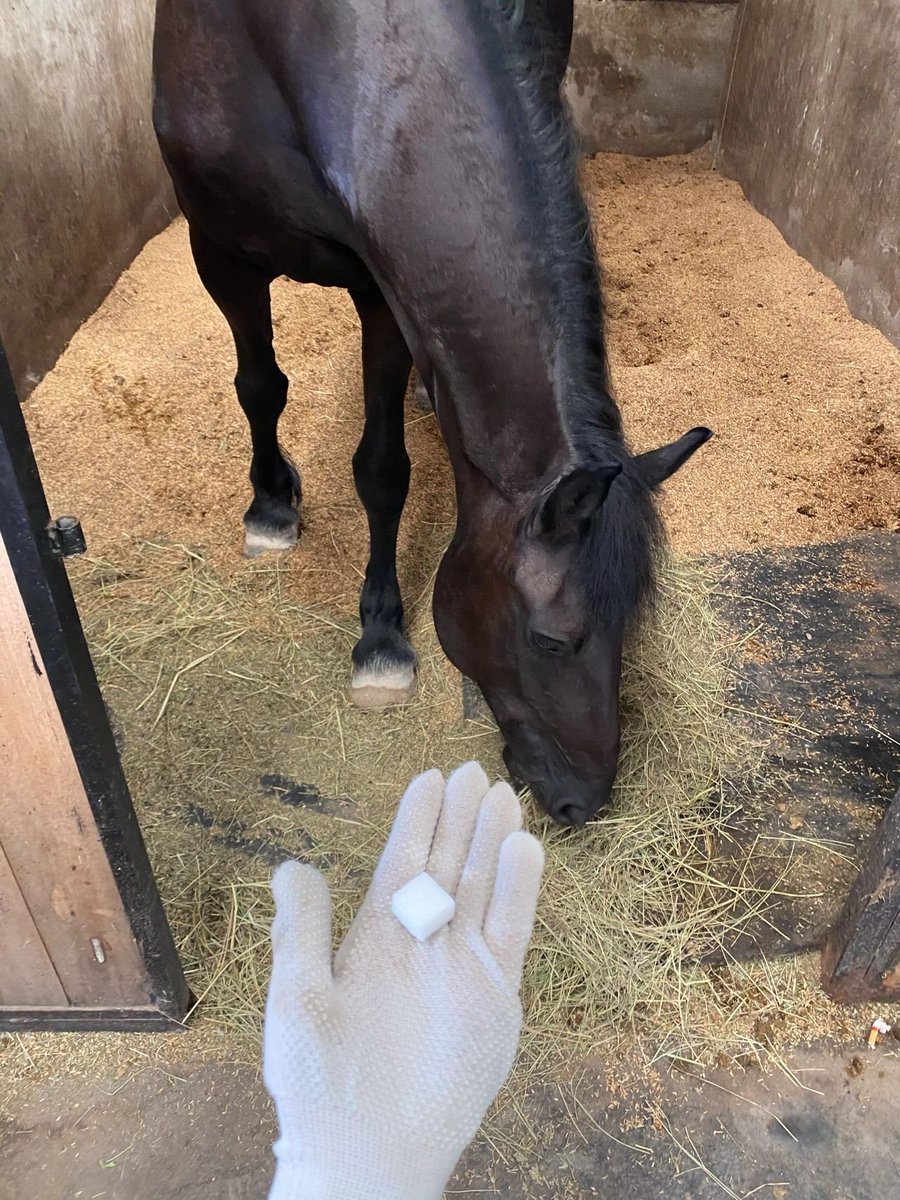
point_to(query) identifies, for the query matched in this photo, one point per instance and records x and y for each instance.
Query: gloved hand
(383, 1065)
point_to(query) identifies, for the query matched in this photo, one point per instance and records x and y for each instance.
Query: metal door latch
(66, 537)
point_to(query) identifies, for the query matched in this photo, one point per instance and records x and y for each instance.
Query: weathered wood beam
(861, 958)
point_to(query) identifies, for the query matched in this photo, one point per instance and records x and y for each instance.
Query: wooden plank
(48, 833)
(861, 960)
(27, 976)
(36, 1019)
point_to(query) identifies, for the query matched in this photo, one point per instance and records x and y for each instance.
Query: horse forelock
(618, 560)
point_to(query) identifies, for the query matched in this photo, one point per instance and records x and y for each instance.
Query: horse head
(533, 600)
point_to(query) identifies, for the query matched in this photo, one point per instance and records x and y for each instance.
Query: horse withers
(418, 155)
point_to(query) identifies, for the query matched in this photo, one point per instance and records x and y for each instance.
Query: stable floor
(202, 1131)
(712, 320)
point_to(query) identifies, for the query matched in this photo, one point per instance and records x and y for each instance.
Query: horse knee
(262, 391)
(381, 478)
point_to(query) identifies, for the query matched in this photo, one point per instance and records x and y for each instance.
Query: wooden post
(861, 959)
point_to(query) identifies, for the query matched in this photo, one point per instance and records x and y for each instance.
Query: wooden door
(84, 942)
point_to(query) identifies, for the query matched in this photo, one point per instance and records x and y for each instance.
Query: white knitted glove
(383, 1066)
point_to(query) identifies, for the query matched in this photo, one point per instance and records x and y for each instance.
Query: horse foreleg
(241, 291)
(383, 661)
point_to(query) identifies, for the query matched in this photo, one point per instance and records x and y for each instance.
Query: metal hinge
(66, 537)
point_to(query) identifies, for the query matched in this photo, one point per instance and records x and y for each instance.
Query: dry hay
(230, 697)
(712, 318)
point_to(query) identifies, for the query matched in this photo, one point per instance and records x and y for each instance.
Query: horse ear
(565, 514)
(656, 466)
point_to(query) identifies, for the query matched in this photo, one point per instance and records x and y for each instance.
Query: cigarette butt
(877, 1031)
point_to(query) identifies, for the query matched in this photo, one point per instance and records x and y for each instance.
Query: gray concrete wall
(82, 186)
(646, 75)
(810, 127)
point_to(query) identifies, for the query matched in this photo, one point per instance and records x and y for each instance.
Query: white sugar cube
(422, 906)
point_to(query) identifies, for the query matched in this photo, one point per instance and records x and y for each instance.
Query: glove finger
(500, 814)
(409, 844)
(510, 918)
(301, 931)
(466, 788)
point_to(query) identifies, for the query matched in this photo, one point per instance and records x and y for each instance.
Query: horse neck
(514, 396)
(472, 221)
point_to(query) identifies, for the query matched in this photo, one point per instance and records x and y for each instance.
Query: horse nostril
(571, 814)
(517, 782)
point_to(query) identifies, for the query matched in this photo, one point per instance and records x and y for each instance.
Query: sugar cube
(422, 906)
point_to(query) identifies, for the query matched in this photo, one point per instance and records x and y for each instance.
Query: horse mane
(565, 237)
(617, 561)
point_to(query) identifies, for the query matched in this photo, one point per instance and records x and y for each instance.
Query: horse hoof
(375, 689)
(264, 541)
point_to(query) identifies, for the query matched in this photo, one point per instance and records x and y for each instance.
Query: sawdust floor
(712, 320)
(206, 1135)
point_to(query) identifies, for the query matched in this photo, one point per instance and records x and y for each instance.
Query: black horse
(417, 153)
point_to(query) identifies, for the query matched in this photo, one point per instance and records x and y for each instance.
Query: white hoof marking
(373, 688)
(260, 541)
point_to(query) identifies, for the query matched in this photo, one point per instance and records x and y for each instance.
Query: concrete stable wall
(82, 186)
(810, 127)
(81, 183)
(646, 75)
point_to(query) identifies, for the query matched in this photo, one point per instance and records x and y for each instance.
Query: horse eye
(549, 645)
